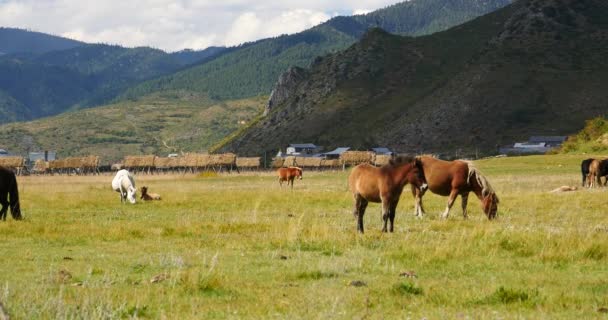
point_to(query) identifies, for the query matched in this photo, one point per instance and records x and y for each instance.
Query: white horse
(124, 184)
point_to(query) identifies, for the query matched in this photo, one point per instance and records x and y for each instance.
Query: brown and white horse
(453, 178)
(8, 188)
(384, 184)
(289, 174)
(148, 196)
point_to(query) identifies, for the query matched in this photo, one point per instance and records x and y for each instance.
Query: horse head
(299, 173)
(131, 191)
(489, 204)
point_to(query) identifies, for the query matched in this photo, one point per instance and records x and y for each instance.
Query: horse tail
(482, 181)
(14, 201)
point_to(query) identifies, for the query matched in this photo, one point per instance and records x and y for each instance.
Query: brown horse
(384, 184)
(453, 178)
(148, 196)
(288, 174)
(597, 170)
(8, 187)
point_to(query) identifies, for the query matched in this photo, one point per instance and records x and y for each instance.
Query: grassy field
(238, 246)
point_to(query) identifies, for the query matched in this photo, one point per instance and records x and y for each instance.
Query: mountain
(253, 68)
(45, 84)
(536, 67)
(18, 40)
(158, 124)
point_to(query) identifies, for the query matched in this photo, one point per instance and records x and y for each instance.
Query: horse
(385, 184)
(148, 196)
(289, 174)
(585, 169)
(453, 178)
(124, 184)
(597, 170)
(8, 188)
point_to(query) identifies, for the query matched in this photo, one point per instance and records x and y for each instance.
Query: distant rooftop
(554, 139)
(338, 151)
(303, 145)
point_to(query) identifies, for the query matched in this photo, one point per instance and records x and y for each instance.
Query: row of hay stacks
(190, 160)
(350, 158)
(12, 162)
(81, 163)
(248, 162)
(305, 162)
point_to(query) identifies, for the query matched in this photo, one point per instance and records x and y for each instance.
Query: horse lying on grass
(148, 196)
(384, 184)
(453, 178)
(8, 189)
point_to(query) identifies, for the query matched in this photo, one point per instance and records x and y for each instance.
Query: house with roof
(382, 151)
(535, 145)
(3, 153)
(335, 154)
(301, 149)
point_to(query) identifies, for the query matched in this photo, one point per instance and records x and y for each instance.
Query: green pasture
(238, 246)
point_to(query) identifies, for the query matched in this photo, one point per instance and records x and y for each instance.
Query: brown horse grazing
(384, 184)
(597, 170)
(8, 187)
(453, 178)
(288, 174)
(148, 196)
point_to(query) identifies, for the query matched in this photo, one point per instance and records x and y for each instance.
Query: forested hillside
(536, 67)
(14, 40)
(36, 85)
(254, 68)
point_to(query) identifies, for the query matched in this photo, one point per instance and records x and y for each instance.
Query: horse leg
(451, 200)
(392, 214)
(418, 209)
(464, 197)
(361, 205)
(4, 202)
(386, 212)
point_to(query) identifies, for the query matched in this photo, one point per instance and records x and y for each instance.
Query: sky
(174, 25)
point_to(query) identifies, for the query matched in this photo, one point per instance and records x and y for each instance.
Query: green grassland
(158, 124)
(238, 246)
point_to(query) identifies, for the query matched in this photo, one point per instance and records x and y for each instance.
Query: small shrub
(316, 275)
(595, 252)
(509, 296)
(407, 288)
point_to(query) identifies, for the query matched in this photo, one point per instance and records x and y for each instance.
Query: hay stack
(248, 162)
(382, 159)
(308, 162)
(224, 159)
(12, 162)
(330, 163)
(277, 162)
(90, 162)
(290, 162)
(40, 166)
(162, 163)
(57, 164)
(72, 163)
(139, 161)
(357, 157)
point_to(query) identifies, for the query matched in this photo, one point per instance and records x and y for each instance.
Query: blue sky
(173, 25)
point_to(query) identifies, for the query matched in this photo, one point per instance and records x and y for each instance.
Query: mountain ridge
(469, 89)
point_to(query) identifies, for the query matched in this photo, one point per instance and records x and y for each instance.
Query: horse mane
(297, 168)
(401, 160)
(486, 188)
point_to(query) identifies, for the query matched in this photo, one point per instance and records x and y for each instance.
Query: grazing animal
(148, 196)
(124, 184)
(585, 170)
(597, 170)
(289, 174)
(384, 184)
(564, 189)
(453, 178)
(8, 189)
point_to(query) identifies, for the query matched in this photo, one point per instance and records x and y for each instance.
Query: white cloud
(175, 24)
